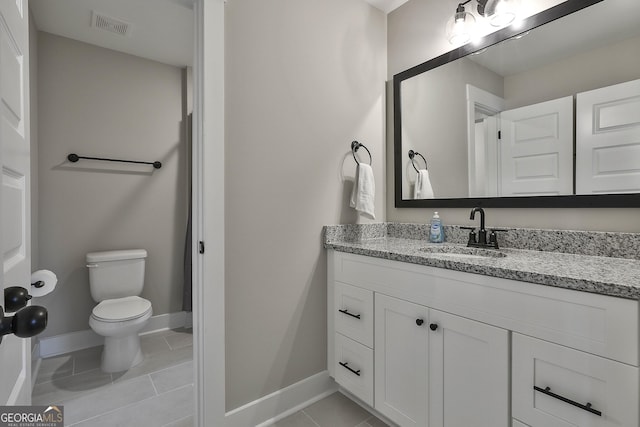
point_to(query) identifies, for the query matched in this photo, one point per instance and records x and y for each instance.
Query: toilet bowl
(119, 321)
(116, 279)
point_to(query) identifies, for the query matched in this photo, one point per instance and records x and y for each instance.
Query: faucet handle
(493, 237)
(472, 235)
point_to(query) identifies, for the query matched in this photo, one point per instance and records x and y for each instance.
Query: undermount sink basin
(464, 252)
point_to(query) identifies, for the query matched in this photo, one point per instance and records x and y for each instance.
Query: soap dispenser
(436, 234)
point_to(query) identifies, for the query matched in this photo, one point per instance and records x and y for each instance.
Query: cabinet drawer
(569, 383)
(354, 368)
(354, 313)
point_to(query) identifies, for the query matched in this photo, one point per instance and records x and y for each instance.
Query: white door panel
(536, 149)
(15, 355)
(608, 139)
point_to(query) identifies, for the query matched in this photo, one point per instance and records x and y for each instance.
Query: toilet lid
(120, 309)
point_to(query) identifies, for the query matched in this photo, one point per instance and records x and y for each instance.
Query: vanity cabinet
(459, 366)
(453, 349)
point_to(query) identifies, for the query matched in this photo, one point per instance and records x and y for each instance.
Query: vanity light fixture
(461, 26)
(499, 12)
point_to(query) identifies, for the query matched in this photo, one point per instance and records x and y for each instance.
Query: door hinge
(201, 246)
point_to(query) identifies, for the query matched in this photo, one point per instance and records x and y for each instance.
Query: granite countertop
(619, 277)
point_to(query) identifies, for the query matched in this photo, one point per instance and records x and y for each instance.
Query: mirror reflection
(508, 120)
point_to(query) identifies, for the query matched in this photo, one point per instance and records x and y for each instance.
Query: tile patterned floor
(335, 410)
(157, 392)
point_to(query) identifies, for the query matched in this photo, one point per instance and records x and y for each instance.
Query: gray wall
(434, 123)
(416, 33)
(303, 79)
(94, 101)
(560, 79)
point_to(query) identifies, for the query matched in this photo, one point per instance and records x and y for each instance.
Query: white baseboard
(73, 341)
(269, 409)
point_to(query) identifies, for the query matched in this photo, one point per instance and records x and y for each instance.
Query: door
(536, 149)
(401, 349)
(15, 235)
(608, 139)
(468, 372)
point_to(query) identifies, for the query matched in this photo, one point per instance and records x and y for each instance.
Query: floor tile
(154, 343)
(108, 399)
(337, 411)
(173, 377)
(156, 411)
(184, 422)
(179, 339)
(59, 390)
(373, 422)
(299, 419)
(87, 359)
(156, 362)
(55, 367)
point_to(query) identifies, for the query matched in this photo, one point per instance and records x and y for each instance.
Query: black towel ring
(412, 154)
(355, 145)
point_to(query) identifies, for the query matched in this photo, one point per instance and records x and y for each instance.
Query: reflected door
(536, 149)
(608, 140)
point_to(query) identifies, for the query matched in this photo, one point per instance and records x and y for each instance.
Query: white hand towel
(364, 189)
(423, 189)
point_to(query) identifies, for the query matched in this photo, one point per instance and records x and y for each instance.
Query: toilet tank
(116, 274)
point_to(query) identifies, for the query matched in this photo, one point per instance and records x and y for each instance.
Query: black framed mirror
(484, 140)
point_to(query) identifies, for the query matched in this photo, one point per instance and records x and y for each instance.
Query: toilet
(116, 279)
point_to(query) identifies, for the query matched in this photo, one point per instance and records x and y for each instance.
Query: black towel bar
(412, 154)
(74, 158)
(355, 145)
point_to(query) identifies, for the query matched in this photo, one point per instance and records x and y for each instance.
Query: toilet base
(121, 353)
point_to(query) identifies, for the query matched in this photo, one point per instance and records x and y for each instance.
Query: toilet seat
(121, 309)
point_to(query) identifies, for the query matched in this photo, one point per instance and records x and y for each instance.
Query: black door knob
(433, 326)
(419, 322)
(15, 298)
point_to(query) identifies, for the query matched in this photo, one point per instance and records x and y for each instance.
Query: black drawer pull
(346, 365)
(357, 316)
(587, 407)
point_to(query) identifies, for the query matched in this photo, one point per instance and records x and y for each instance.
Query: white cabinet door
(556, 386)
(468, 372)
(15, 353)
(536, 149)
(608, 139)
(401, 349)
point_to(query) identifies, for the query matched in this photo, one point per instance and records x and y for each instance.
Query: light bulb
(460, 27)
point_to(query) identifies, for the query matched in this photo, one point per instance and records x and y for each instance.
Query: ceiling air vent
(109, 24)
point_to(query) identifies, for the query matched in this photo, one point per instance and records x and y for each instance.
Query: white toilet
(116, 279)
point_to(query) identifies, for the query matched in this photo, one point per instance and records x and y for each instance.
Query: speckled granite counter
(606, 275)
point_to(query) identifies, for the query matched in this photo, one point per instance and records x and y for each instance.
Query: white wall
(303, 79)
(98, 102)
(416, 34)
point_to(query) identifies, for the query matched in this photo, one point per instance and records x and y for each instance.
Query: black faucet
(481, 240)
(482, 233)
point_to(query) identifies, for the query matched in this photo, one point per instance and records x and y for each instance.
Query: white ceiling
(161, 30)
(386, 5)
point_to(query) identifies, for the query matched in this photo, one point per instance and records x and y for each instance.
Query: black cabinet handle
(433, 326)
(419, 322)
(357, 316)
(548, 392)
(346, 366)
